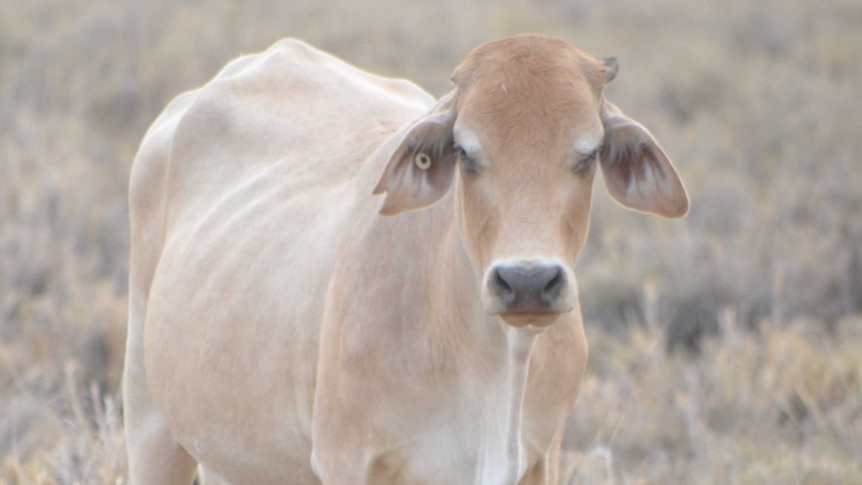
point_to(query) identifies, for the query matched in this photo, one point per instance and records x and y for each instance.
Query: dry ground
(726, 348)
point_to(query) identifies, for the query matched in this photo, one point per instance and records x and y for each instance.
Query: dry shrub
(779, 407)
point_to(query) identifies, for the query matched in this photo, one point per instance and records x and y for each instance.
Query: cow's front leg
(347, 453)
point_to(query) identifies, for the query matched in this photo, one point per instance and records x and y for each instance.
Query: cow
(337, 279)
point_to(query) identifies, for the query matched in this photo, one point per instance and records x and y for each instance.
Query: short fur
(282, 331)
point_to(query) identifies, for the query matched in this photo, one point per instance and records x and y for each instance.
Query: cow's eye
(585, 164)
(467, 162)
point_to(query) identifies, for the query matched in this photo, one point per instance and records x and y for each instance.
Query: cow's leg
(545, 471)
(155, 458)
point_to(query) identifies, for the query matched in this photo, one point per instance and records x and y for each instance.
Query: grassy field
(725, 348)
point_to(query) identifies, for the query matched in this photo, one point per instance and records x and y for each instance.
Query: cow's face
(525, 129)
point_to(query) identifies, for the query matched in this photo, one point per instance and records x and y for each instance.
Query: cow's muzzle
(530, 287)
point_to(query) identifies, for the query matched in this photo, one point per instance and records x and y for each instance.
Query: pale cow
(283, 331)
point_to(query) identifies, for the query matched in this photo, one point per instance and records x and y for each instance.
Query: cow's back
(292, 114)
(237, 198)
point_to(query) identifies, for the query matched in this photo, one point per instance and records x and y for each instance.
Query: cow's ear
(421, 168)
(636, 170)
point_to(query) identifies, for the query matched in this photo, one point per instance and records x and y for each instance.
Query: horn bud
(610, 67)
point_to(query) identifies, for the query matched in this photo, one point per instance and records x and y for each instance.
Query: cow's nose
(529, 287)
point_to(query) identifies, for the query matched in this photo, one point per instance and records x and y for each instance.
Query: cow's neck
(502, 358)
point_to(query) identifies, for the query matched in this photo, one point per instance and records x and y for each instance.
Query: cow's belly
(231, 340)
(236, 385)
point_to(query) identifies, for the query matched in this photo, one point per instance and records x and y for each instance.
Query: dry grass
(757, 294)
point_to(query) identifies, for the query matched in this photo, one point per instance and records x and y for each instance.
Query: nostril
(501, 285)
(553, 288)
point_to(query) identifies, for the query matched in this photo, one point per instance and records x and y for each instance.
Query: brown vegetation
(725, 348)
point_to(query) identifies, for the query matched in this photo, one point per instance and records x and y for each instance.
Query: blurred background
(725, 347)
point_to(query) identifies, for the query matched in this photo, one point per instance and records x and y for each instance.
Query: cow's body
(276, 319)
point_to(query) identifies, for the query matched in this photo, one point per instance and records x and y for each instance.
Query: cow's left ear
(637, 172)
(421, 168)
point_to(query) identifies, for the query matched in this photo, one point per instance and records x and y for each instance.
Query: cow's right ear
(422, 167)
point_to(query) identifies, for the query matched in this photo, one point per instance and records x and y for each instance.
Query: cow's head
(524, 128)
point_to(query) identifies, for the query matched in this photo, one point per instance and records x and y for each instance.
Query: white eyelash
(468, 141)
(587, 144)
